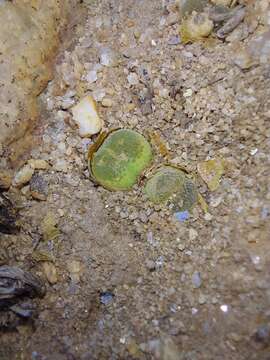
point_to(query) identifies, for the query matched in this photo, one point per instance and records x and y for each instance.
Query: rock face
(28, 41)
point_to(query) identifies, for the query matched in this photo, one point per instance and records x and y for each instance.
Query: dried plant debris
(49, 228)
(8, 216)
(16, 285)
(211, 172)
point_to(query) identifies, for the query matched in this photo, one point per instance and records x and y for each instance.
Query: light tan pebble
(130, 107)
(208, 217)
(216, 202)
(50, 272)
(106, 102)
(75, 269)
(61, 165)
(26, 190)
(38, 164)
(192, 234)
(61, 212)
(69, 151)
(133, 79)
(137, 34)
(86, 117)
(164, 93)
(23, 176)
(5, 180)
(222, 2)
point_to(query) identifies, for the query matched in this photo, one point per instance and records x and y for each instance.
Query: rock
(192, 234)
(106, 102)
(174, 40)
(256, 52)
(195, 27)
(39, 187)
(106, 298)
(27, 64)
(91, 76)
(211, 172)
(23, 176)
(5, 180)
(38, 164)
(99, 94)
(133, 79)
(188, 6)
(49, 228)
(86, 117)
(196, 279)
(61, 165)
(75, 270)
(50, 272)
(151, 265)
(238, 34)
(8, 216)
(262, 334)
(237, 17)
(222, 2)
(108, 57)
(202, 299)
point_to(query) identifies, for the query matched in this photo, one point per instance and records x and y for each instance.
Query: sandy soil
(127, 280)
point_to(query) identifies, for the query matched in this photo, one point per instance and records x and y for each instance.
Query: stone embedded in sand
(5, 180)
(171, 185)
(39, 187)
(222, 2)
(86, 117)
(256, 52)
(187, 6)
(195, 27)
(211, 172)
(23, 176)
(38, 164)
(120, 159)
(50, 272)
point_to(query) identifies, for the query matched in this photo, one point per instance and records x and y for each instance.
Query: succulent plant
(119, 158)
(171, 185)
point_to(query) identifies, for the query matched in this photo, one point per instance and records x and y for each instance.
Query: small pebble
(202, 299)
(182, 215)
(23, 176)
(39, 187)
(133, 79)
(38, 164)
(106, 102)
(91, 77)
(86, 117)
(50, 272)
(196, 279)
(192, 234)
(61, 165)
(5, 180)
(151, 265)
(106, 298)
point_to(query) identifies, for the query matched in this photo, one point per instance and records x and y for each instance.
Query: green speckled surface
(120, 160)
(172, 185)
